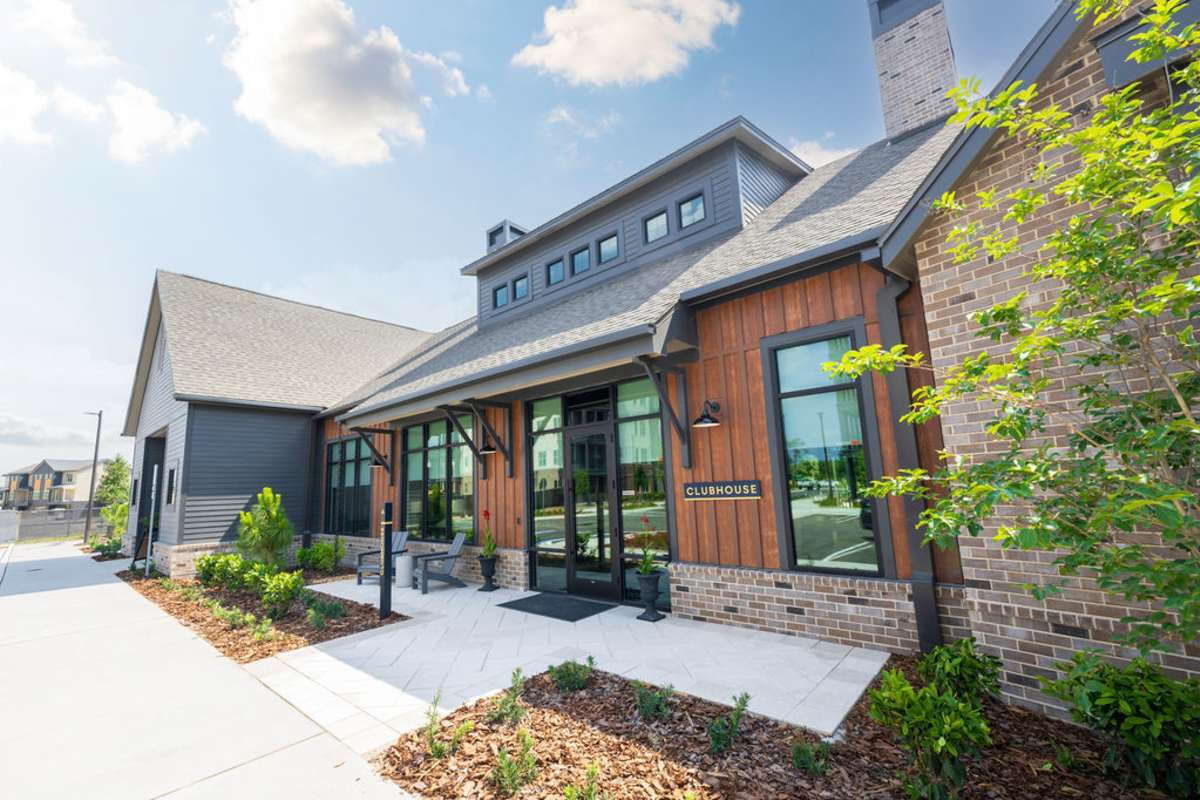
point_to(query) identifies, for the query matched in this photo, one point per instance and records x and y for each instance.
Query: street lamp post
(87, 521)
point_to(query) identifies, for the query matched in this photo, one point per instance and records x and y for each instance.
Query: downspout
(929, 632)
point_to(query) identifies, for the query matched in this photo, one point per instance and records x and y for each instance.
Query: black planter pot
(648, 585)
(487, 568)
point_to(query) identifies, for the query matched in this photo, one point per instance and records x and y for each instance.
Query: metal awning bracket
(664, 399)
(504, 445)
(365, 435)
(451, 413)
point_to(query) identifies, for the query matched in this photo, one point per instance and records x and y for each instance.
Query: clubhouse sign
(723, 490)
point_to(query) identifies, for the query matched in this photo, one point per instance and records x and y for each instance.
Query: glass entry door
(591, 526)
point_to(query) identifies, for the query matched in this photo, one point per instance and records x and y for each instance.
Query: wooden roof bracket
(451, 413)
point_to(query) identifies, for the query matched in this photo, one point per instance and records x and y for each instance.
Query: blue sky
(351, 153)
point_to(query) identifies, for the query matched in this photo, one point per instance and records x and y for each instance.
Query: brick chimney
(915, 62)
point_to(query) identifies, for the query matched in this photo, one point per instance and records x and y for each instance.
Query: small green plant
(315, 618)
(510, 773)
(508, 708)
(1064, 757)
(325, 606)
(265, 532)
(936, 728)
(322, 556)
(261, 629)
(646, 564)
(961, 669)
(811, 757)
(305, 558)
(107, 547)
(590, 789)
(437, 747)
(230, 571)
(1151, 721)
(652, 702)
(117, 517)
(489, 541)
(571, 676)
(280, 592)
(723, 731)
(169, 584)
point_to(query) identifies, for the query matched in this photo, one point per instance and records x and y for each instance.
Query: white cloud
(72, 106)
(142, 127)
(817, 151)
(572, 120)
(604, 42)
(483, 92)
(318, 85)
(21, 103)
(56, 21)
(20, 431)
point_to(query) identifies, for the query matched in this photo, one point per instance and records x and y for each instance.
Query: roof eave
(571, 358)
(1060, 30)
(738, 128)
(142, 370)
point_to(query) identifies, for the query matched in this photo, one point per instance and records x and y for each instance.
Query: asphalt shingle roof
(856, 195)
(237, 344)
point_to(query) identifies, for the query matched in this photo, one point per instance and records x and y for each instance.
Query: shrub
(436, 746)
(235, 618)
(936, 728)
(571, 676)
(117, 517)
(254, 577)
(811, 757)
(723, 731)
(231, 572)
(652, 702)
(590, 789)
(1151, 721)
(315, 618)
(508, 708)
(265, 532)
(325, 606)
(280, 591)
(306, 558)
(322, 556)
(511, 773)
(961, 669)
(107, 548)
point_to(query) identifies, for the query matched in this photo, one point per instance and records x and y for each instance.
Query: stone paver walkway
(103, 695)
(460, 645)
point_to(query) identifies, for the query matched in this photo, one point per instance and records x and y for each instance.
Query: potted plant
(487, 555)
(648, 574)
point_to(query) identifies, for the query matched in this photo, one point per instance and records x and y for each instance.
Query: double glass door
(591, 526)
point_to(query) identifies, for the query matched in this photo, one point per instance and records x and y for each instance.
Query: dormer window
(581, 261)
(520, 288)
(608, 249)
(691, 211)
(655, 227)
(555, 272)
(500, 296)
(494, 237)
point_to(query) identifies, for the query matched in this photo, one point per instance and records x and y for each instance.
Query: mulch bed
(670, 758)
(101, 557)
(291, 632)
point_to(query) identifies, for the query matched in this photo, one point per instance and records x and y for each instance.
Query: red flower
(645, 520)
(486, 515)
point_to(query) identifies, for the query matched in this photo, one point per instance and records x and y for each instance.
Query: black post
(385, 570)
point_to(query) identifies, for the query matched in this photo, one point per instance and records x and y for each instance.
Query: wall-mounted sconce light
(487, 448)
(706, 420)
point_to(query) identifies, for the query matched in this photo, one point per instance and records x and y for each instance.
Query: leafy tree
(1102, 468)
(114, 482)
(265, 532)
(117, 517)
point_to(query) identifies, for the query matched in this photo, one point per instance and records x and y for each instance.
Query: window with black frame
(439, 480)
(348, 488)
(821, 422)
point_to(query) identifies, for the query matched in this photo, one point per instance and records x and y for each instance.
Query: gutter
(233, 401)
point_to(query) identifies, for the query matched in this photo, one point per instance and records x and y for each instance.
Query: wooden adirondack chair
(438, 566)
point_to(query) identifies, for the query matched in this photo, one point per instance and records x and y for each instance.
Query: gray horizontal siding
(713, 173)
(232, 454)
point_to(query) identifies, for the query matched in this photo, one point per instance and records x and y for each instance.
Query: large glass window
(439, 481)
(833, 526)
(641, 479)
(348, 488)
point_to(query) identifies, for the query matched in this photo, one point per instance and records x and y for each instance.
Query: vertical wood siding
(504, 497)
(730, 372)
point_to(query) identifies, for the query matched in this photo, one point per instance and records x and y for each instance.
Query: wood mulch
(102, 557)
(291, 632)
(671, 758)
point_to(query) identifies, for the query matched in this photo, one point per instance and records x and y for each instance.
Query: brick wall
(915, 63)
(1028, 635)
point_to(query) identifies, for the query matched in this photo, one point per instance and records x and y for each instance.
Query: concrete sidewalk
(102, 695)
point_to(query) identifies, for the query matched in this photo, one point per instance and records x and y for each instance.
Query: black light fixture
(487, 448)
(706, 420)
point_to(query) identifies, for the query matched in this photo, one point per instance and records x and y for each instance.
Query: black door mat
(557, 606)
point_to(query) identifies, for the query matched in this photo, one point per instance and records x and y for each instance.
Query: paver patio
(367, 688)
